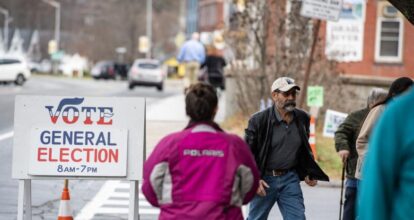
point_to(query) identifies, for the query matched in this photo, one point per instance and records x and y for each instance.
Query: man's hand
(310, 182)
(343, 154)
(261, 191)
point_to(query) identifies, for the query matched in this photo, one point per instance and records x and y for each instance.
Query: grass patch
(235, 124)
(328, 159)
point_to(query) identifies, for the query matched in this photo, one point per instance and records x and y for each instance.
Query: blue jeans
(286, 191)
(350, 199)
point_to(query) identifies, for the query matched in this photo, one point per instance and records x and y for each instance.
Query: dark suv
(110, 70)
(104, 70)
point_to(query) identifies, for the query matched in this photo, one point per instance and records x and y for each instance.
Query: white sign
(321, 9)
(77, 151)
(345, 38)
(78, 137)
(332, 121)
(143, 44)
(121, 50)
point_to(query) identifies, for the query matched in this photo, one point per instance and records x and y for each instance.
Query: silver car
(146, 72)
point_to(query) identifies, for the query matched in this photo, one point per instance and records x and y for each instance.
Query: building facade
(191, 17)
(386, 44)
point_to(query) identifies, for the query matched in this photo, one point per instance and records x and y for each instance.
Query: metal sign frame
(28, 111)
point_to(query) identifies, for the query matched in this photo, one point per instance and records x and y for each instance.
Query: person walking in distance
(345, 139)
(278, 138)
(201, 172)
(192, 54)
(215, 64)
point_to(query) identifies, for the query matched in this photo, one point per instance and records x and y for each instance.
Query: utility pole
(5, 12)
(56, 5)
(149, 27)
(309, 64)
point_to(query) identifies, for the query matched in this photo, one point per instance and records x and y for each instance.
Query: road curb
(330, 184)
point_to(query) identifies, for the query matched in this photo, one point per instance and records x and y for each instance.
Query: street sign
(59, 137)
(78, 137)
(332, 121)
(121, 50)
(179, 39)
(57, 55)
(321, 9)
(143, 44)
(52, 47)
(315, 96)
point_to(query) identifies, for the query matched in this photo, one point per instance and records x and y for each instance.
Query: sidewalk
(168, 115)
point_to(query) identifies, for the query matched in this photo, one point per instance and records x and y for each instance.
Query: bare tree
(270, 39)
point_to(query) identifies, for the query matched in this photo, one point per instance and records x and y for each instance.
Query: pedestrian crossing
(112, 202)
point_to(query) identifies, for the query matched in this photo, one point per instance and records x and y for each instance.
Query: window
(389, 40)
(148, 65)
(208, 14)
(8, 61)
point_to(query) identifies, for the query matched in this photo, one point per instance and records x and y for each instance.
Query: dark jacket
(259, 137)
(215, 65)
(346, 136)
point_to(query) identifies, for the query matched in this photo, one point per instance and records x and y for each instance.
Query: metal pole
(66, 184)
(309, 65)
(57, 27)
(149, 27)
(341, 203)
(6, 26)
(56, 5)
(133, 213)
(6, 32)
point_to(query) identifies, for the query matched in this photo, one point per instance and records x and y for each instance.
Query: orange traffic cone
(65, 212)
(312, 137)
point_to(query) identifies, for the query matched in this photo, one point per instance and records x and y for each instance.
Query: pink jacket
(200, 173)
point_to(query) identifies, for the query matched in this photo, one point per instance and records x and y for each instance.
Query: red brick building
(211, 15)
(387, 44)
(387, 41)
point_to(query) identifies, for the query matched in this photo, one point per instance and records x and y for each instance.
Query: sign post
(315, 96)
(78, 138)
(317, 9)
(332, 121)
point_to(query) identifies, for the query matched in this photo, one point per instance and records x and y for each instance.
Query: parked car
(45, 66)
(104, 70)
(146, 72)
(34, 66)
(14, 70)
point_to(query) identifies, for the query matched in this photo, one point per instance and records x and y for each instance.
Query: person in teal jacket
(387, 190)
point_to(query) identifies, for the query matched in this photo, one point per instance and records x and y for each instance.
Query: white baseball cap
(284, 84)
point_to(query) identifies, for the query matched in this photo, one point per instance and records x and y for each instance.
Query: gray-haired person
(345, 139)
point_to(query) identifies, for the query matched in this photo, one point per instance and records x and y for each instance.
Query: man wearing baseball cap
(278, 138)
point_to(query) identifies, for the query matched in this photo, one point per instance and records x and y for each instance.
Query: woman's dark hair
(200, 102)
(397, 87)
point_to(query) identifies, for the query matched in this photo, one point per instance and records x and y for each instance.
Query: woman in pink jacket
(200, 172)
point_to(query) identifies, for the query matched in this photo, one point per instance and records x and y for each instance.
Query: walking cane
(342, 190)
